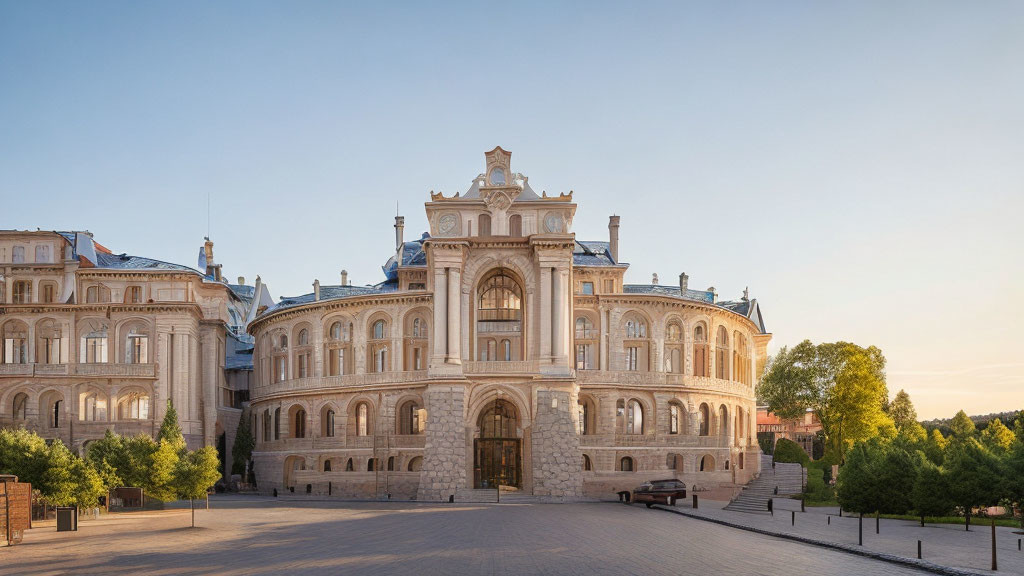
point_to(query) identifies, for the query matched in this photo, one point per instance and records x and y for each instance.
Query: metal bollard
(694, 501)
(829, 520)
(860, 530)
(803, 506)
(918, 549)
(1018, 544)
(792, 518)
(995, 566)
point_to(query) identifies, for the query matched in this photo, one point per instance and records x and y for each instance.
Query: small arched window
(349, 467)
(723, 420)
(674, 332)
(284, 340)
(506, 350)
(415, 464)
(327, 465)
(277, 424)
(20, 406)
(587, 465)
(515, 226)
(336, 331)
(416, 328)
(674, 418)
(303, 337)
(636, 328)
(485, 225)
(704, 420)
(300, 423)
(391, 463)
(626, 464)
(584, 328)
(413, 419)
(379, 329)
(722, 354)
(328, 423)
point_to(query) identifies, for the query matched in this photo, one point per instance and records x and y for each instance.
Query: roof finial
(654, 279)
(746, 293)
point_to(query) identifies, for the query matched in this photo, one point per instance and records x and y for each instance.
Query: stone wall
(556, 449)
(444, 454)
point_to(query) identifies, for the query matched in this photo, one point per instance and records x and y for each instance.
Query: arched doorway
(497, 459)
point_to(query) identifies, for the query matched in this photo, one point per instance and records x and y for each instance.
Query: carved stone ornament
(448, 224)
(553, 223)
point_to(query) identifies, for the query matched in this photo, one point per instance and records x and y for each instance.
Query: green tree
(997, 437)
(902, 412)
(137, 461)
(241, 450)
(930, 495)
(788, 451)
(842, 383)
(170, 430)
(975, 476)
(160, 480)
(23, 454)
(1015, 477)
(855, 486)
(69, 480)
(895, 473)
(194, 473)
(962, 425)
(935, 447)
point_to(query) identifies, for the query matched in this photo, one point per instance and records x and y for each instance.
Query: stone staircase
(478, 496)
(789, 478)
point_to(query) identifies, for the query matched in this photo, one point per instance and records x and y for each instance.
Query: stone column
(545, 313)
(211, 381)
(454, 316)
(557, 315)
(440, 316)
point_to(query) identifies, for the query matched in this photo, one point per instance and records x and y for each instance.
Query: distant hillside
(980, 421)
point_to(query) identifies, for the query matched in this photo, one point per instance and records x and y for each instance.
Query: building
(94, 340)
(499, 351)
(801, 430)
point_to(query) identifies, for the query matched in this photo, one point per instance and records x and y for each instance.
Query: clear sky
(858, 165)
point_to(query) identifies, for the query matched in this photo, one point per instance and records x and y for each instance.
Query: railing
(660, 440)
(638, 378)
(501, 367)
(342, 381)
(102, 370)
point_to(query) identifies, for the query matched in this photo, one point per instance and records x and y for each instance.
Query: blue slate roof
(412, 255)
(739, 307)
(332, 293)
(592, 253)
(126, 262)
(697, 295)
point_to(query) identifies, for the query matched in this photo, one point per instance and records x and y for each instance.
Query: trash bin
(67, 519)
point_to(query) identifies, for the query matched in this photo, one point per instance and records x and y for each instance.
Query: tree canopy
(962, 425)
(842, 383)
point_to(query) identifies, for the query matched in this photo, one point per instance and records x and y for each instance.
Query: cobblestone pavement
(942, 544)
(252, 535)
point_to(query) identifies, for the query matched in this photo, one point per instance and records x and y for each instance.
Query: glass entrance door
(496, 462)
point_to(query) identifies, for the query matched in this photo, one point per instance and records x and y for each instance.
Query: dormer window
(497, 176)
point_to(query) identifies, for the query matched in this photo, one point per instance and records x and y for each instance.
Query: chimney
(654, 279)
(399, 238)
(714, 295)
(684, 283)
(613, 237)
(241, 280)
(344, 277)
(216, 272)
(208, 248)
(316, 290)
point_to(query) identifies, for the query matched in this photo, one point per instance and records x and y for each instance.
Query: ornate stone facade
(502, 352)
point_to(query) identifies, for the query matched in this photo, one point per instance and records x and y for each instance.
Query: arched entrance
(497, 451)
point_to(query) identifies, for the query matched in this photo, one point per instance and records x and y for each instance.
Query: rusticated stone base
(444, 454)
(556, 448)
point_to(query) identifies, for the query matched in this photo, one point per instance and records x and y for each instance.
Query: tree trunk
(922, 520)
(967, 519)
(192, 505)
(876, 522)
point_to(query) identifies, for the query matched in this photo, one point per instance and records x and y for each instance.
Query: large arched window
(136, 344)
(634, 417)
(586, 344)
(636, 345)
(587, 416)
(377, 348)
(92, 406)
(15, 350)
(674, 347)
(362, 414)
(675, 418)
(723, 421)
(133, 406)
(499, 317)
(303, 354)
(268, 433)
(297, 416)
(327, 422)
(701, 358)
(20, 407)
(515, 226)
(741, 358)
(338, 349)
(707, 463)
(485, 225)
(704, 420)
(412, 419)
(416, 334)
(722, 353)
(51, 343)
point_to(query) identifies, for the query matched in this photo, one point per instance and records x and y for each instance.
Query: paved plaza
(254, 535)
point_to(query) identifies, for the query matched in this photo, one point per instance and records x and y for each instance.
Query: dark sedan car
(660, 492)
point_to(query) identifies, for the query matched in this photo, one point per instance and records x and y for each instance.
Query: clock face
(553, 223)
(447, 224)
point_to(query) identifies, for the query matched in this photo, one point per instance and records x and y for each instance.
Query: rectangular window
(51, 350)
(609, 286)
(15, 351)
(42, 254)
(134, 295)
(96, 350)
(631, 358)
(584, 357)
(138, 350)
(18, 255)
(280, 369)
(588, 287)
(22, 293)
(303, 365)
(49, 293)
(417, 358)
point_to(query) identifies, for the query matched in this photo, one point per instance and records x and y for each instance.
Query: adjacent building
(94, 340)
(499, 351)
